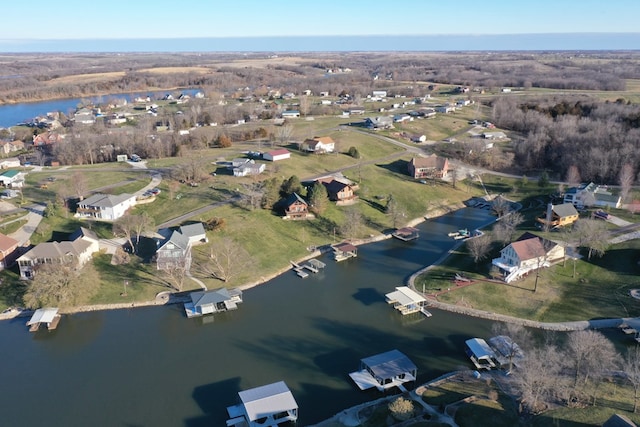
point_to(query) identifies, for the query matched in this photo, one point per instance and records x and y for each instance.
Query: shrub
(401, 409)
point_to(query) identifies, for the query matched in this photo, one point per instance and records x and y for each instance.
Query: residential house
(318, 144)
(588, 195)
(46, 139)
(432, 166)
(559, 215)
(295, 207)
(213, 301)
(76, 252)
(290, 114)
(10, 162)
(325, 102)
(240, 161)
(447, 108)
(195, 233)
(356, 111)
(12, 178)
(463, 102)
(264, 406)
(8, 251)
(379, 93)
(174, 252)
(527, 254)
(276, 155)
(418, 138)
(84, 116)
(323, 94)
(249, 168)
(401, 118)
(427, 112)
(11, 147)
(339, 191)
(494, 135)
(380, 122)
(106, 207)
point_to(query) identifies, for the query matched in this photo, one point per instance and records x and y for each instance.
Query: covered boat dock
(344, 251)
(384, 371)
(47, 316)
(407, 301)
(482, 356)
(266, 406)
(406, 233)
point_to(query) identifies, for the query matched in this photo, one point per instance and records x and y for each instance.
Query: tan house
(432, 166)
(339, 191)
(559, 215)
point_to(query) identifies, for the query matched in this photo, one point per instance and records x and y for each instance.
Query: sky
(46, 20)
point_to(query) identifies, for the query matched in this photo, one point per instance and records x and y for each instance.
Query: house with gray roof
(174, 252)
(76, 252)
(380, 122)
(588, 195)
(194, 232)
(106, 207)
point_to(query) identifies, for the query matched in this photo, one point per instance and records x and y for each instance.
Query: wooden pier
(313, 265)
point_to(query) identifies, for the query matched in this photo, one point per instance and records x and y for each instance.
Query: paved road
(35, 215)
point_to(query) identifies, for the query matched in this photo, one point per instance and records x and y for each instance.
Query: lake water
(154, 367)
(12, 114)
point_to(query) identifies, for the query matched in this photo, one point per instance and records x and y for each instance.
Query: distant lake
(12, 114)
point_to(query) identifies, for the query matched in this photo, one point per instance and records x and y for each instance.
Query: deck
(406, 234)
(313, 265)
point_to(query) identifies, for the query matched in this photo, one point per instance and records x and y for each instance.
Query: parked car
(601, 214)
(155, 191)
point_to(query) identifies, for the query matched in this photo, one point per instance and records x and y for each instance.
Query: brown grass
(173, 70)
(263, 63)
(87, 78)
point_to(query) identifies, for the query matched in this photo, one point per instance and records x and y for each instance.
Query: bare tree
(175, 275)
(537, 380)
(505, 229)
(124, 227)
(226, 259)
(592, 234)
(80, 186)
(142, 223)
(589, 355)
(352, 224)
(626, 180)
(631, 368)
(283, 134)
(58, 285)
(253, 194)
(479, 247)
(519, 338)
(394, 211)
(304, 105)
(573, 175)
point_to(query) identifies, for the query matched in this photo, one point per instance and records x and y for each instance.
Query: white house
(12, 178)
(106, 206)
(319, 144)
(10, 162)
(527, 254)
(290, 114)
(587, 195)
(418, 138)
(194, 232)
(276, 155)
(379, 93)
(264, 406)
(249, 169)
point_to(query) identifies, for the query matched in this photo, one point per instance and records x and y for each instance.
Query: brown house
(338, 191)
(8, 252)
(432, 166)
(295, 207)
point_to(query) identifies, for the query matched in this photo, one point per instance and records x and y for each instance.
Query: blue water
(12, 114)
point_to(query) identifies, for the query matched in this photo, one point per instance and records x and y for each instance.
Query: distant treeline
(36, 77)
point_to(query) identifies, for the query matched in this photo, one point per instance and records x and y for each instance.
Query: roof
(106, 200)
(6, 243)
(479, 348)
(43, 315)
(11, 173)
(528, 249)
(278, 152)
(267, 399)
(432, 161)
(546, 243)
(324, 139)
(405, 296)
(389, 364)
(178, 239)
(192, 230)
(345, 247)
(83, 232)
(617, 420)
(56, 250)
(564, 210)
(606, 197)
(211, 297)
(334, 186)
(293, 198)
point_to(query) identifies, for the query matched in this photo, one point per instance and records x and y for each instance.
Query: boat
(463, 233)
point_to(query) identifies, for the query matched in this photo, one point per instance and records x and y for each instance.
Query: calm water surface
(154, 367)
(12, 114)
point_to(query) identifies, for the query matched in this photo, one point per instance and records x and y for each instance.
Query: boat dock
(344, 251)
(313, 265)
(406, 234)
(47, 316)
